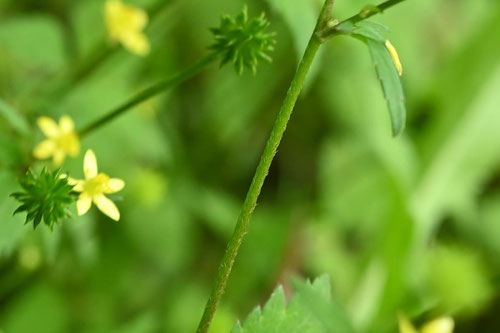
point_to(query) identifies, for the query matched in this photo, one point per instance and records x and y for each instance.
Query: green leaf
(311, 310)
(371, 30)
(389, 79)
(373, 35)
(468, 157)
(328, 311)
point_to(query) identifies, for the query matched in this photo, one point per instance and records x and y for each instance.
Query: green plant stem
(267, 157)
(149, 92)
(365, 13)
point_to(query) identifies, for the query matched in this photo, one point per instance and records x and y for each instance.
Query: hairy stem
(267, 157)
(149, 92)
(365, 13)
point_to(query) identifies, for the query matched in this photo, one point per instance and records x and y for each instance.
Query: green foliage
(343, 197)
(14, 118)
(45, 197)
(243, 41)
(373, 35)
(311, 310)
(387, 73)
(457, 278)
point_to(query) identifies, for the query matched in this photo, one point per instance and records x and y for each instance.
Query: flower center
(96, 185)
(68, 142)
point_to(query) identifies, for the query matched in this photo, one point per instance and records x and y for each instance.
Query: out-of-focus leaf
(40, 307)
(469, 155)
(14, 118)
(460, 79)
(363, 305)
(458, 280)
(301, 19)
(35, 40)
(11, 227)
(489, 218)
(143, 323)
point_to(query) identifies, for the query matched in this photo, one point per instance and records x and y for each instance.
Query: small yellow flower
(94, 187)
(439, 325)
(395, 57)
(61, 140)
(125, 24)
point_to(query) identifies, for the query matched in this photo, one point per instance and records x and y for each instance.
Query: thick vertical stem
(261, 173)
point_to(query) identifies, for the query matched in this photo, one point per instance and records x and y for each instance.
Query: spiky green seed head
(243, 41)
(45, 197)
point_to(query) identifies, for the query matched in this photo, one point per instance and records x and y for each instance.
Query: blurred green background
(408, 225)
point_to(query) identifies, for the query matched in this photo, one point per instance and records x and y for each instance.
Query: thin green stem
(365, 13)
(267, 157)
(149, 92)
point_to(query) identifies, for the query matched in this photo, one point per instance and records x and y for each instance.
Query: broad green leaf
(390, 81)
(311, 310)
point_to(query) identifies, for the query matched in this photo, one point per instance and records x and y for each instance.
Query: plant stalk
(267, 157)
(365, 13)
(149, 92)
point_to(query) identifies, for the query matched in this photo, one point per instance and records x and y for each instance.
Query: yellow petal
(122, 18)
(66, 124)
(125, 24)
(405, 326)
(58, 157)
(107, 206)
(440, 325)
(138, 18)
(83, 204)
(71, 144)
(90, 164)
(114, 185)
(48, 126)
(137, 43)
(395, 57)
(77, 183)
(44, 149)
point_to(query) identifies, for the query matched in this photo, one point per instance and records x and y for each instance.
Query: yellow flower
(61, 140)
(125, 24)
(439, 325)
(94, 187)
(395, 57)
